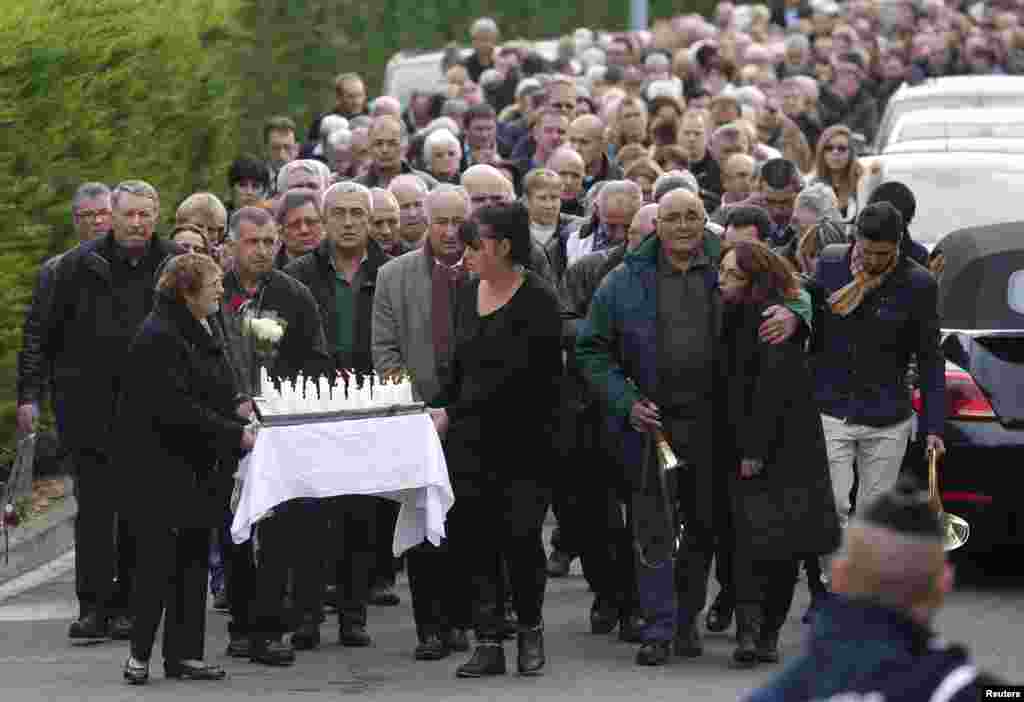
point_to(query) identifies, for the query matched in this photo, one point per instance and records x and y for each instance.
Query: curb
(47, 537)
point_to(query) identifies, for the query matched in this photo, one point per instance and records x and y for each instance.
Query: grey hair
(595, 74)
(665, 88)
(339, 138)
(590, 198)
(442, 123)
(454, 106)
(360, 122)
(89, 191)
(254, 215)
(409, 178)
(593, 57)
(490, 77)
(139, 188)
(294, 199)
(332, 123)
(345, 188)
(440, 137)
(749, 95)
(820, 199)
(675, 180)
(484, 24)
(441, 190)
(306, 165)
(657, 59)
(619, 188)
(798, 41)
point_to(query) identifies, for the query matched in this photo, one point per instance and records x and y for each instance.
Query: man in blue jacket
(881, 311)
(874, 641)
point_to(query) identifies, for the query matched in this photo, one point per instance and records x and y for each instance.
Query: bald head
(411, 194)
(387, 105)
(571, 169)
(681, 220)
(643, 225)
(738, 174)
(385, 220)
(586, 136)
(487, 185)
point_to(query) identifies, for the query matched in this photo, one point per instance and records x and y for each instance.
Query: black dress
(503, 409)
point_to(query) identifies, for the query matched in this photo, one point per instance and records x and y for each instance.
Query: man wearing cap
(875, 640)
(847, 100)
(881, 311)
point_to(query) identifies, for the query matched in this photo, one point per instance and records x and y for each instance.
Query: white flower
(266, 330)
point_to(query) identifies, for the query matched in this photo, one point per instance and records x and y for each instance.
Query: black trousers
(171, 584)
(387, 518)
(258, 582)
(353, 521)
(441, 596)
(724, 537)
(105, 545)
(502, 520)
(766, 583)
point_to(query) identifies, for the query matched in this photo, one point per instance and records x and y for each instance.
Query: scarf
(444, 281)
(846, 300)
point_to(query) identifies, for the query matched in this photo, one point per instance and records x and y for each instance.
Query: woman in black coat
(500, 425)
(181, 430)
(773, 447)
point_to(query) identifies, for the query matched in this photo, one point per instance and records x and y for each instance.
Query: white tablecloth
(399, 458)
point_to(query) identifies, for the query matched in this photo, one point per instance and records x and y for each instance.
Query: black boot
(488, 659)
(719, 616)
(604, 615)
(748, 631)
(630, 627)
(307, 636)
(688, 643)
(531, 651)
(654, 653)
(768, 647)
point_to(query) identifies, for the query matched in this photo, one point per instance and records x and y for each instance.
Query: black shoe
(136, 672)
(748, 631)
(510, 627)
(220, 602)
(559, 564)
(193, 670)
(654, 653)
(239, 647)
(306, 637)
(354, 635)
(432, 649)
(719, 616)
(120, 628)
(688, 643)
(384, 596)
(488, 659)
(456, 640)
(603, 617)
(271, 653)
(89, 628)
(768, 648)
(531, 657)
(630, 628)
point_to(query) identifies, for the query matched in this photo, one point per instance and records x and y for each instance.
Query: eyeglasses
(837, 148)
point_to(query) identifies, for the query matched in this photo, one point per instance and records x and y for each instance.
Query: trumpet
(666, 456)
(957, 530)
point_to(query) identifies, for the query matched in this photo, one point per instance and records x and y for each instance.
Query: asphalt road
(38, 663)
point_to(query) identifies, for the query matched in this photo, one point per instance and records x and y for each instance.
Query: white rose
(266, 329)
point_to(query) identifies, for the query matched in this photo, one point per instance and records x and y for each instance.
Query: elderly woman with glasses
(499, 426)
(182, 425)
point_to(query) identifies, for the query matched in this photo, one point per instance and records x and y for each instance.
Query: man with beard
(254, 286)
(847, 99)
(99, 295)
(413, 332)
(411, 193)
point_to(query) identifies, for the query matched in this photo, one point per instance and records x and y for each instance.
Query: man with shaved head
(654, 315)
(385, 223)
(571, 169)
(387, 105)
(874, 641)
(643, 225)
(413, 331)
(411, 192)
(387, 135)
(342, 273)
(587, 137)
(737, 178)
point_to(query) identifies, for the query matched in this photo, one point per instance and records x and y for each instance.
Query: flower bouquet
(265, 332)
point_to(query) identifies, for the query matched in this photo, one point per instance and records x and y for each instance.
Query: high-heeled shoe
(136, 672)
(193, 670)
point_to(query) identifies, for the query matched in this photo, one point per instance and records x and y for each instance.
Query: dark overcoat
(177, 431)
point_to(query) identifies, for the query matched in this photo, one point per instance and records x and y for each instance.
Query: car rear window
(1015, 292)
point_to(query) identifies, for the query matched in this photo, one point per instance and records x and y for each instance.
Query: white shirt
(542, 233)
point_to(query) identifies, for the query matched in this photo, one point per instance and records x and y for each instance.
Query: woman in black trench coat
(180, 432)
(773, 447)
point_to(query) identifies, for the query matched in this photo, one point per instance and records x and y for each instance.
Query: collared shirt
(601, 239)
(345, 308)
(685, 343)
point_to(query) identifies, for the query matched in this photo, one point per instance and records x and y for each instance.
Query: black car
(981, 308)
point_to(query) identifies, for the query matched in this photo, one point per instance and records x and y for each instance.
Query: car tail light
(964, 399)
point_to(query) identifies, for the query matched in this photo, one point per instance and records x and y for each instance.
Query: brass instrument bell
(957, 530)
(666, 456)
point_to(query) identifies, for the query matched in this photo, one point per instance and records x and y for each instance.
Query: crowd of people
(640, 286)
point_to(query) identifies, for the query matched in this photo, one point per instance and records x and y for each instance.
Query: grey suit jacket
(402, 333)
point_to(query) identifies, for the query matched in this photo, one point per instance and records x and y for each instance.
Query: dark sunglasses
(837, 148)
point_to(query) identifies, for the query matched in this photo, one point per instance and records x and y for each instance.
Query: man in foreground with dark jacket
(874, 641)
(101, 292)
(882, 309)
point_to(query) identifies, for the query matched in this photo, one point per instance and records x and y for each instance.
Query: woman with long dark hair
(836, 165)
(773, 447)
(499, 427)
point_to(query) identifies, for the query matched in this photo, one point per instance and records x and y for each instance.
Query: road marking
(34, 578)
(39, 611)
